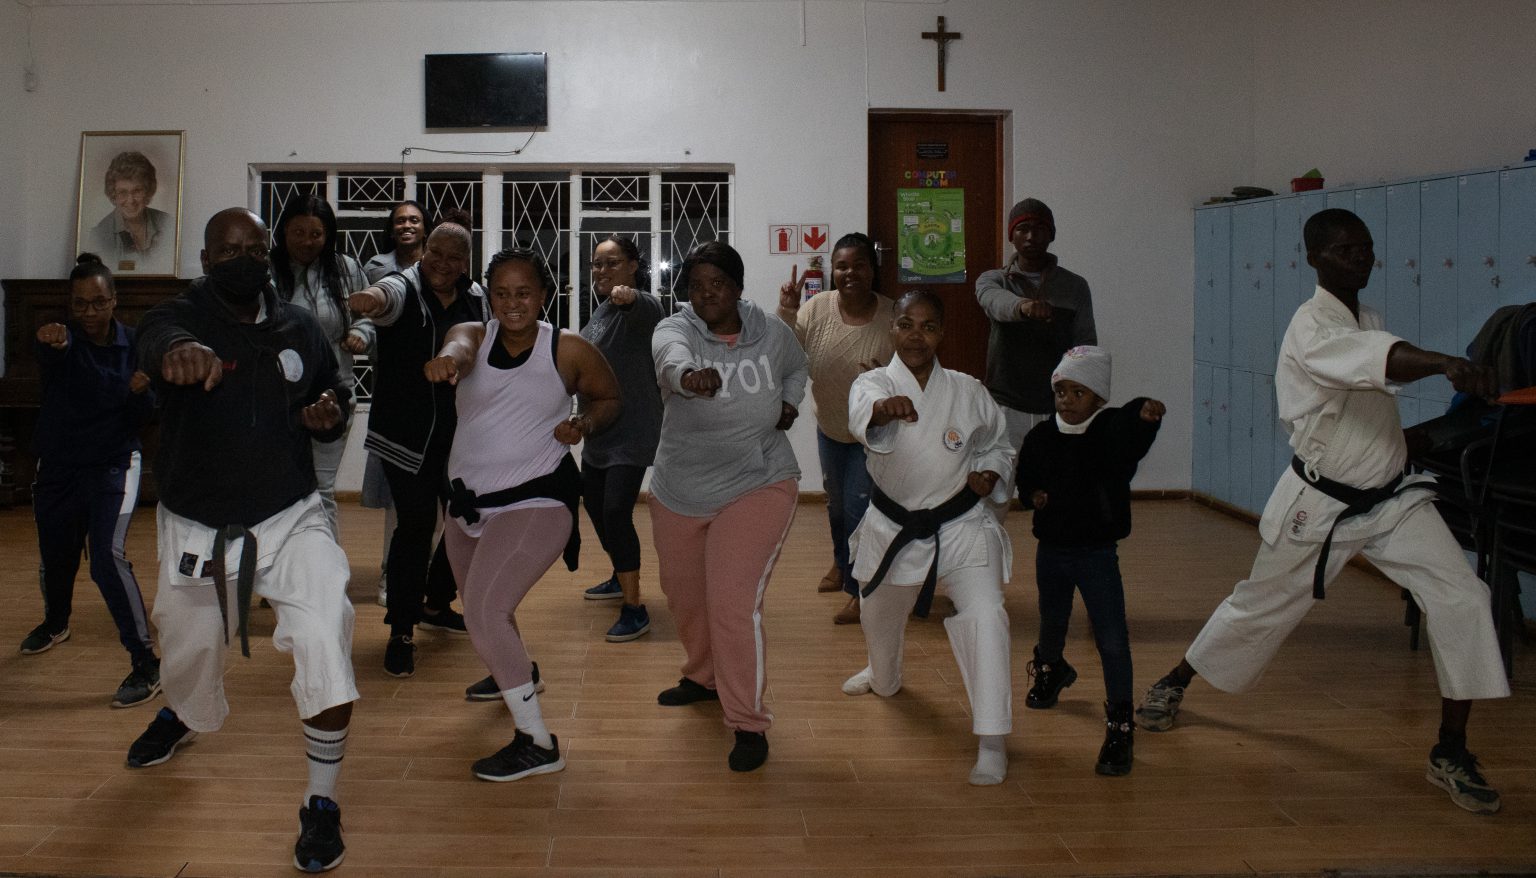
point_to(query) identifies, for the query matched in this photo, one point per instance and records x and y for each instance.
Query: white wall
(1124, 115)
(1375, 90)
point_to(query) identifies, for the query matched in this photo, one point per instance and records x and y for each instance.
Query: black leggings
(609, 493)
(415, 570)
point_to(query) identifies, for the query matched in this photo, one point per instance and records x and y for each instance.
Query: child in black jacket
(1075, 470)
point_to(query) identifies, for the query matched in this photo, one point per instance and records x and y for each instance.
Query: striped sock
(325, 750)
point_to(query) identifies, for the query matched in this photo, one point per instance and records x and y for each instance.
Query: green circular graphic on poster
(932, 241)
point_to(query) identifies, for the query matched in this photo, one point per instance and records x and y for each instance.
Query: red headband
(1030, 216)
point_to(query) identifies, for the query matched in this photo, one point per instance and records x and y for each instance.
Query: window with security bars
(563, 215)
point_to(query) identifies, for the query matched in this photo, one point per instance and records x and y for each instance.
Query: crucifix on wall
(942, 37)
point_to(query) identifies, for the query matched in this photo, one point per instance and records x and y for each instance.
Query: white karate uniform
(920, 465)
(302, 573)
(1334, 397)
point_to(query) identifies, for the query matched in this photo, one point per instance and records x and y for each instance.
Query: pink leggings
(713, 571)
(495, 571)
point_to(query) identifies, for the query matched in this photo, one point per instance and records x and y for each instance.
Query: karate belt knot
(917, 524)
(244, 584)
(1357, 502)
(563, 484)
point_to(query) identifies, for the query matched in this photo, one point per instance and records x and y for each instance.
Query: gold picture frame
(128, 205)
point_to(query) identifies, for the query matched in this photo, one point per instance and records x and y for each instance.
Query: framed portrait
(129, 202)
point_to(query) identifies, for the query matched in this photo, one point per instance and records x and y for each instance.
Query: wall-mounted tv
(487, 90)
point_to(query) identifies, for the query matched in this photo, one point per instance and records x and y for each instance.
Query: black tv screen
(487, 90)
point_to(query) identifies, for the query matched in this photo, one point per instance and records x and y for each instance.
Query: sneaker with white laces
(519, 759)
(1455, 770)
(141, 685)
(319, 848)
(158, 744)
(42, 638)
(633, 623)
(1159, 707)
(607, 590)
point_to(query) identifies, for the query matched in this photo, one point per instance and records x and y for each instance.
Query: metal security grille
(562, 214)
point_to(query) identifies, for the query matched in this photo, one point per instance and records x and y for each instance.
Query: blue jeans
(847, 483)
(1095, 572)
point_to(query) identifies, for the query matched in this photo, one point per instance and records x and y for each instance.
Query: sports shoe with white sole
(1160, 707)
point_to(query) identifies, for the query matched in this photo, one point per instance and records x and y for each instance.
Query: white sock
(523, 701)
(325, 751)
(860, 683)
(991, 761)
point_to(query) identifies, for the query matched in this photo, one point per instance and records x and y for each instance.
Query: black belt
(244, 584)
(564, 484)
(1357, 501)
(918, 524)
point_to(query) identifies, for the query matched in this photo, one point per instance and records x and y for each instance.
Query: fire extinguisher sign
(798, 238)
(783, 239)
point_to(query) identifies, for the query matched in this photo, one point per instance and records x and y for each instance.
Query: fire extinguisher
(813, 278)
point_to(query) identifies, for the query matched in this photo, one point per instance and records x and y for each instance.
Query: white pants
(1420, 555)
(302, 573)
(1018, 424)
(978, 634)
(327, 457)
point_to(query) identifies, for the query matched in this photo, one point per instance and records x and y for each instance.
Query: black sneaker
(400, 656)
(449, 620)
(686, 692)
(607, 590)
(141, 685)
(1119, 732)
(43, 639)
(633, 622)
(319, 848)
(750, 752)
(488, 690)
(159, 742)
(1455, 770)
(519, 759)
(1050, 679)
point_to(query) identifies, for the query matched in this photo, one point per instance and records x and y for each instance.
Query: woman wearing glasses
(613, 462)
(95, 400)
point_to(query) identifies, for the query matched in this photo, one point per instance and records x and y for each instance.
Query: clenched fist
(322, 414)
(55, 335)
(192, 363)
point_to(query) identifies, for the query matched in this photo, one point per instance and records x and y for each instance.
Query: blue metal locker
(1437, 278)
(1205, 253)
(1221, 286)
(1202, 422)
(1371, 206)
(1517, 236)
(1263, 445)
(1243, 270)
(1240, 449)
(1289, 260)
(1221, 425)
(1400, 255)
(1258, 339)
(1477, 255)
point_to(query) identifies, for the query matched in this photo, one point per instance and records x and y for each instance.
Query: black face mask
(240, 280)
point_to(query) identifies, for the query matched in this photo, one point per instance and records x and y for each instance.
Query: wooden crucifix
(942, 37)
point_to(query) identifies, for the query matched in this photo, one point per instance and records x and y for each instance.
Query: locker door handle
(1495, 281)
(1258, 284)
(1416, 279)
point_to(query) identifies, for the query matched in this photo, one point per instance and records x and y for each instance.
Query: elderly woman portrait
(134, 237)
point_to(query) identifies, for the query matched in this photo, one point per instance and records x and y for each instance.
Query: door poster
(931, 243)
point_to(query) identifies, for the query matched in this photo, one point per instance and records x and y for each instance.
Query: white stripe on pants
(978, 634)
(1420, 555)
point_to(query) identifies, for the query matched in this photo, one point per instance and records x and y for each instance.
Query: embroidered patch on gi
(953, 440)
(1299, 520)
(187, 564)
(292, 365)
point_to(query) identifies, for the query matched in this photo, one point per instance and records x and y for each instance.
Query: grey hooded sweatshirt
(716, 449)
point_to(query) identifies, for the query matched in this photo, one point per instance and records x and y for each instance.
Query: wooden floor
(1322, 767)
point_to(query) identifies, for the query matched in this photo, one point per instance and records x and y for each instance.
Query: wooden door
(960, 151)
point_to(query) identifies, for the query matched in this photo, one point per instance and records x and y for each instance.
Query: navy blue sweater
(1086, 477)
(89, 417)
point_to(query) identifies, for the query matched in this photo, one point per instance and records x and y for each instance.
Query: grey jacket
(1021, 353)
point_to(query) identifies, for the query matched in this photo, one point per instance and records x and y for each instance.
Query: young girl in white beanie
(1075, 470)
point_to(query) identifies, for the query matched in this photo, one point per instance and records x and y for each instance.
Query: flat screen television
(487, 90)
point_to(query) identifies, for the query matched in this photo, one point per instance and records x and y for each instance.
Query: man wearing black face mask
(245, 381)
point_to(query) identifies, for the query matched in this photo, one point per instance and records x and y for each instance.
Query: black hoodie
(238, 454)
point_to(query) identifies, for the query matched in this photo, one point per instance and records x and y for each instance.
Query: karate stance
(1345, 494)
(938, 446)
